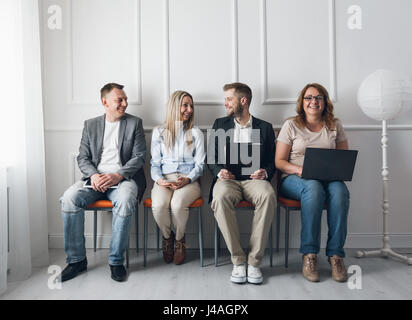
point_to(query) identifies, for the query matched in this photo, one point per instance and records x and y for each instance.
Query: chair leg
(287, 236)
(144, 236)
(277, 227)
(137, 227)
(216, 244)
(271, 244)
(127, 254)
(157, 237)
(94, 230)
(200, 236)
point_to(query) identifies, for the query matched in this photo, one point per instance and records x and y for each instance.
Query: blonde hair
(172, 123)
(327, 114)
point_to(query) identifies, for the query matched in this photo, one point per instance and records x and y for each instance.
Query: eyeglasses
(317, 98)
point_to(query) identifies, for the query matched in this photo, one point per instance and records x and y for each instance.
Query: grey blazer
(132, 148)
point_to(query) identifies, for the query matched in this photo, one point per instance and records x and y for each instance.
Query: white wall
(154, 47)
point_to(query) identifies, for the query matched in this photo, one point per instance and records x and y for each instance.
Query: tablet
(88, 184)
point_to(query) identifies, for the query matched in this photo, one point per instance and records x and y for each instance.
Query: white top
(110, 160)
(242, 134)
(182, 158)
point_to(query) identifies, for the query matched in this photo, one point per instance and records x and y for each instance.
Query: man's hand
(95, 180)
(259, 174)
(226, 174)
(109, 179)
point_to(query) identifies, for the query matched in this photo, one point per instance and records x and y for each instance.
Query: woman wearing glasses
(178, 156)
(314, 126)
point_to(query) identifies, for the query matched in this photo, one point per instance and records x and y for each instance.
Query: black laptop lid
(236, 156)
(329, 164)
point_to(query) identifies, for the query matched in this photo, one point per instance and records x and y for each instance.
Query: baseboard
(353, 240)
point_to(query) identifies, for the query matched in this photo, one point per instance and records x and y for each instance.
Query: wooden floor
(381, 278)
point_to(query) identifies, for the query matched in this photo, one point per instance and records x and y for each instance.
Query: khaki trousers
(226, 195)
(177, 202)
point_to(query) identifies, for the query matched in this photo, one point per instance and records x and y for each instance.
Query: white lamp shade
(383, 94)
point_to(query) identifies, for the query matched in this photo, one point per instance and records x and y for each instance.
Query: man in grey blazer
(111, 155)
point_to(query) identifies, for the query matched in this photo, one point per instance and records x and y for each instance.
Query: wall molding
(235, 53)
(266, 100)
(72, 167)
(350, 127)
(70, 54)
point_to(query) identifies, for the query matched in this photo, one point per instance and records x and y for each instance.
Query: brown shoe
(310, 267)
(180, 251)
(339, 273)
(167, 247)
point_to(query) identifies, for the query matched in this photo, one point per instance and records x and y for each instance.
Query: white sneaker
(239, 273)
(254, 275)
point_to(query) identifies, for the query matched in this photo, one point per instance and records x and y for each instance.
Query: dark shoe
(167, 247)
(74, 269)
(310, 267)
(118, 273)
(180, 251)
(339, 273)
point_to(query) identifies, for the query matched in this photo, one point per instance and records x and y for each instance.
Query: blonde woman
(178, 156)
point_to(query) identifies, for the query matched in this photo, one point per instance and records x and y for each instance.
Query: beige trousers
(177, 202)
(226, 195)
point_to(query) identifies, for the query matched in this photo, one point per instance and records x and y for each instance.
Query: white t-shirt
(110, 160)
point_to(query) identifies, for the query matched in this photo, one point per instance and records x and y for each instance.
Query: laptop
(329, 164)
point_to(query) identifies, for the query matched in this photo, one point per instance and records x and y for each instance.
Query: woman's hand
(180, 183)
(164, 183)
(299, 171)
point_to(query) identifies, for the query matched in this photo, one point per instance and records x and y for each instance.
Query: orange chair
(289, 205)
(242, 205)
(107, 205)
(197, 204)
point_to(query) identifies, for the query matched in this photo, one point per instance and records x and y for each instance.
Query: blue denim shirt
(188, 160)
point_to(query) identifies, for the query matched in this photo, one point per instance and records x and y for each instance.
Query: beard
(236, 111)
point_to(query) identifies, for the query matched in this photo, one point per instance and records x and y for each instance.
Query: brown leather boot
(339, 273)
(180, 251)
(310, 267)
(167, 247)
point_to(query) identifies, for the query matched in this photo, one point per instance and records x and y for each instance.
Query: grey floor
(381, 278)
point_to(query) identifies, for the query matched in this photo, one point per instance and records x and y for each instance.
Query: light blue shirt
(188, 160)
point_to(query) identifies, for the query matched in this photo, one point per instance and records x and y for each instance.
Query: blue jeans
(313, 194)
(73, 202)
